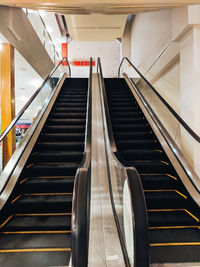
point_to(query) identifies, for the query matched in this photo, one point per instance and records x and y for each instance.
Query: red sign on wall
(82, 63)
(64, 53)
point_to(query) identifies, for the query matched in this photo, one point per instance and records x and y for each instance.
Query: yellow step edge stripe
(34, 250)
(171, 176)
(164, 162)
(166, 190)
(30, 165)
(192, 215)
(36, 232)
(44, 214)
(6, 221)
(24, 180)
(157, 150)
(173, 227)
(15, 199)
(175, 244)
(163, 210)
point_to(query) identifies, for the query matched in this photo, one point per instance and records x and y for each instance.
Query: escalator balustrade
(35, 227)
(174, 228)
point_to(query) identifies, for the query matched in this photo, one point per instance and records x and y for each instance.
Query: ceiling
(95, 27)
(106, 7)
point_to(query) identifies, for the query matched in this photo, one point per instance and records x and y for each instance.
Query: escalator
(35, 227)
(173, 215)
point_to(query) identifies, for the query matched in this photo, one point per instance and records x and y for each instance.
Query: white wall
(109, 52)
(165, 48)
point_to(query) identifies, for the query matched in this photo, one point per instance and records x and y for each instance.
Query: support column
(7, 95)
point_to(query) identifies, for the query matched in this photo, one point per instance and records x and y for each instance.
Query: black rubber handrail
(21, 112)
(81, 194)
(182, 122)
(138, 203)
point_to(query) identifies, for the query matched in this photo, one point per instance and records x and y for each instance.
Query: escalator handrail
(138, 204)
(81, 194)
(182, 122)
(21, 112)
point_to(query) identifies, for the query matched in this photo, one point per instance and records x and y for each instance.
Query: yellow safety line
(34, 250)
(175, 244)
(6, 221)
(157, 150)
(37, 232)
(173, 227)
(44, 214)
(166, 190)
(23, 180)
(16, 199)
(171, 176)
(180, 194)
(30, 165)
(158, 210)
(164, 162)
(192, 215)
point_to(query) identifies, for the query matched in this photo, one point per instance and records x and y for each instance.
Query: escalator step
(50, 156)
(64, 129)
(165, 199)
(141, 154)
(53, 146)
(43, 203)
(67, 115)
(66, 122)
(138, 144)
(51, 257)
(158, 181)
(39, 222)
(33, 240)
(170, 218)
(57, 169)
(62, 137)
(47, 185)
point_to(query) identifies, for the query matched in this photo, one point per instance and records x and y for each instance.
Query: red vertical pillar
(64, 52)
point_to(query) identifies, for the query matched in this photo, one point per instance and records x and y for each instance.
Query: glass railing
(42, 32)
(32, 109)
(183, 141)
(127, 196)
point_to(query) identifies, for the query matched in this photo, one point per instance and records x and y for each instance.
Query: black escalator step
(51, 257)
(69, 109)
(171, 218)
(70, 96)
(55, 146)
(67, 101)
(64, 129)
(52, 156)
(33, 240)
(67, 115)
(66, 122)
(142, 136)
(57, 169)
(165, 199)
(182, 235)
(158, 181)
(151, 143)
(47, 185)
(62, 137)
(135, 127)
(128, 120)
(43, 203)
(141, 154)
(181, 253)
(57, 105)
(71, 100)
(126, 115)
(155, 166)
(125, 108)
(39, 222)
